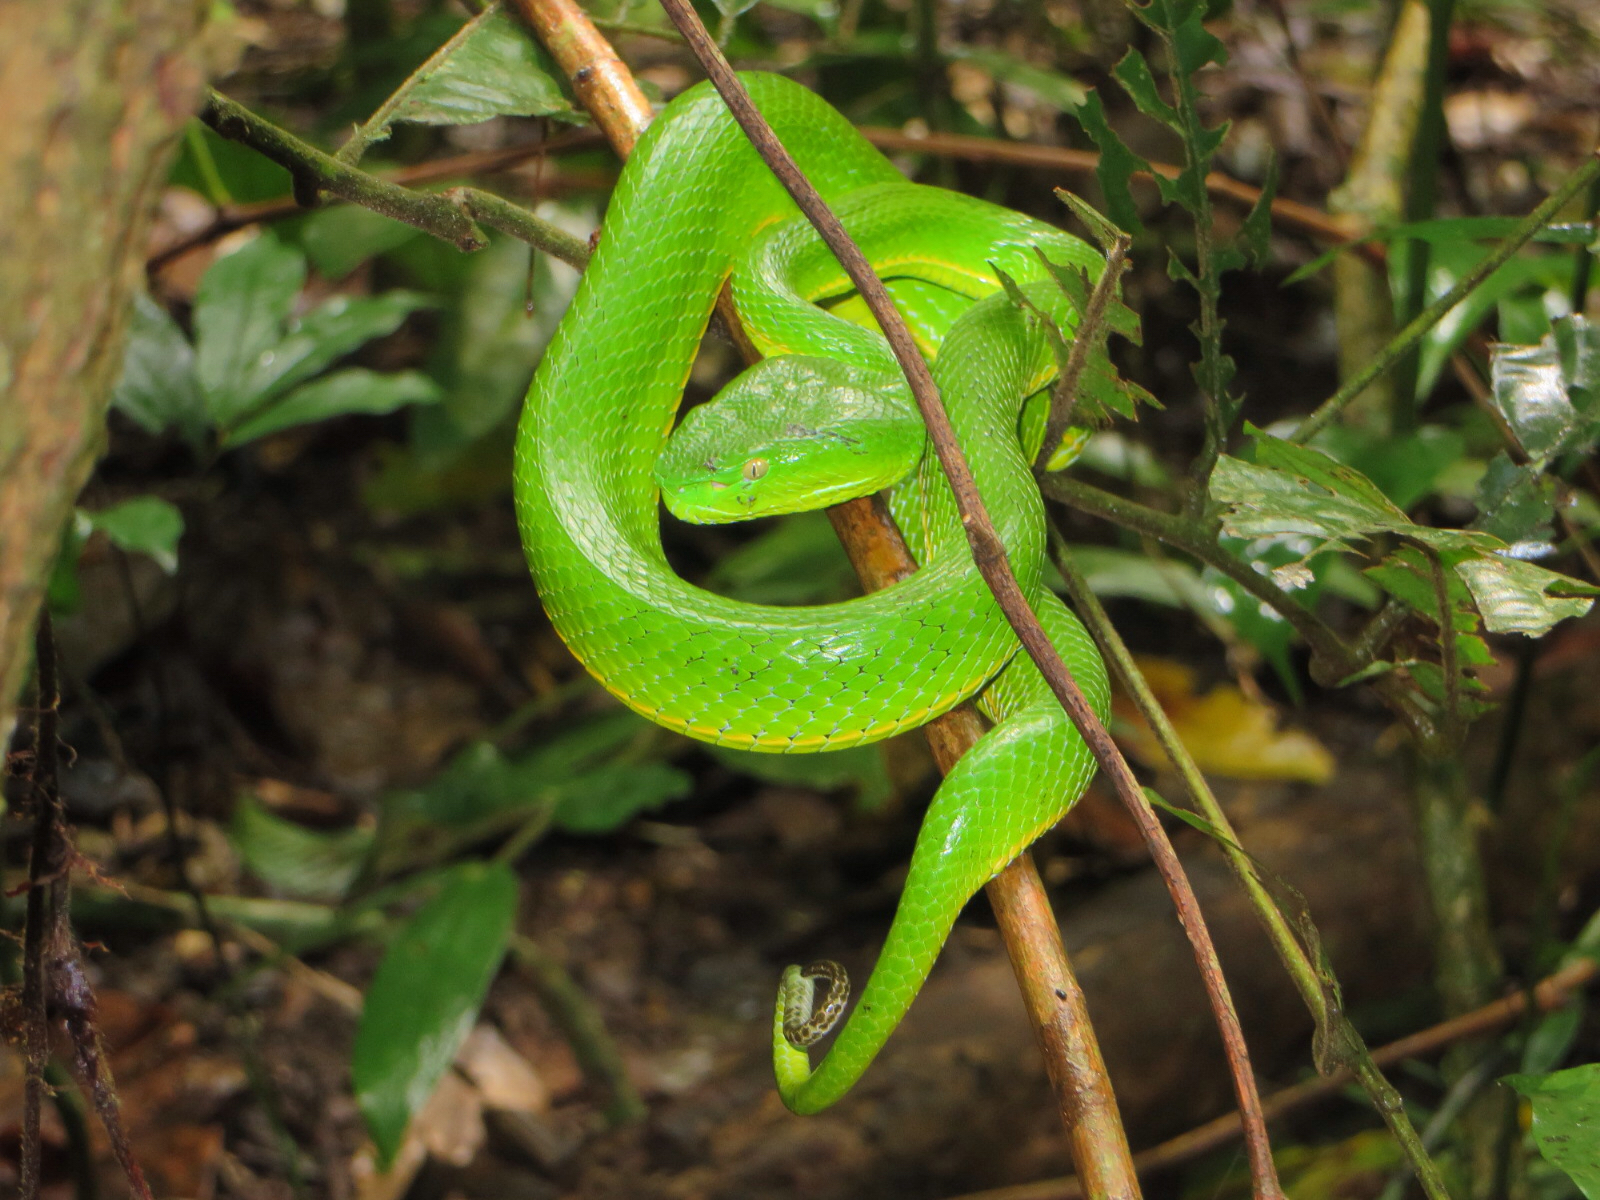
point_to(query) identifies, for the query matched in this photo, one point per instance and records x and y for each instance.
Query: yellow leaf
(1226, 731)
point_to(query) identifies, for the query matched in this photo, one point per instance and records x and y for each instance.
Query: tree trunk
(94, 95)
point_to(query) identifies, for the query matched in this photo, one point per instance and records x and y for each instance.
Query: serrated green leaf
(342, 393)
(1519, 597)
(425, 996)
(1102, 230)
(1117, 164)
(304, 864)
(1324, 471)
(1268, 502)
(239, 312)
(158, 389)
(336, 327)
(491, 68)
(1566, 1121)
(145, 525)
(1133, 73)
(1405, 467)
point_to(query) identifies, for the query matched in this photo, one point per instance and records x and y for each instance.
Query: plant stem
(1435, 312)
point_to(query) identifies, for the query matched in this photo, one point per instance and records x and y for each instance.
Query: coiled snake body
(694, 205)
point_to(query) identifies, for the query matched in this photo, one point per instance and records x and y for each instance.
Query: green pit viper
(823, 417)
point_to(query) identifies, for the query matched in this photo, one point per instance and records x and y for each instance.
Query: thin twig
(990, 556)
(1435, 312)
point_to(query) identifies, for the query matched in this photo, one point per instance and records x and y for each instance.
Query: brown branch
(980, 149)
(989, 554)
(1551, 993)
(601, 81)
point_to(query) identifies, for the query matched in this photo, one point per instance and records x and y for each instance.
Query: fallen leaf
(1227, 732)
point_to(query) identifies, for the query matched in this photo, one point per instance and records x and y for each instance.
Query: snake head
(789, 435)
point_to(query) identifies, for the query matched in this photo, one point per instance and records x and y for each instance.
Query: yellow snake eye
(755, 468)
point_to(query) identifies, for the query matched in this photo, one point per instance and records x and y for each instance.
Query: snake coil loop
(804, 1023)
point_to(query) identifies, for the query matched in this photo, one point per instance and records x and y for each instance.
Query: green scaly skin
(690, 202)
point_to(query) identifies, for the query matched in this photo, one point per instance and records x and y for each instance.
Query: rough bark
(94, 95)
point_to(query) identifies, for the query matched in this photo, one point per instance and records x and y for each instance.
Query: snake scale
(824, 416)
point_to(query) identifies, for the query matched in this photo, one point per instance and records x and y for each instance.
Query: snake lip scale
(825, 415)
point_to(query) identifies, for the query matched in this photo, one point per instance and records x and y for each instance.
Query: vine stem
(989, 554)
(1053, 997)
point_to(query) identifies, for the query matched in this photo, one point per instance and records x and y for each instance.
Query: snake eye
(755, 468)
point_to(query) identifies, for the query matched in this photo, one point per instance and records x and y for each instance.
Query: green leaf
(491, 68)
(1195, 45)
(341, 237)
(1566, 1121)
(605, 799)
(239, 314)
(1117, 164)
(355, 390)
(1133, 73)
(305, 864)
(425, 997)
(1519, 597)
(336, 327)
(1103, 231)
(1516, 503)
(1538, 389)
(158, 389)
(1448, 263)
(1406, 466)
(144, 525)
